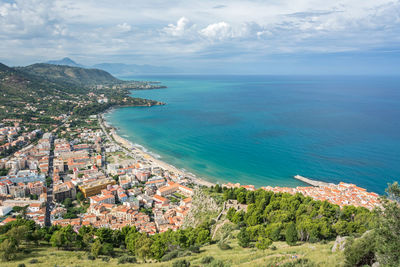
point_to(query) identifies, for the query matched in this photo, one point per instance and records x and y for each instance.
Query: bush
(106, 259)
(244, 238)
(33, 261)
(298, 262)
(91, 257)
(169, 256)
(263, 243)
(184, 253)
(273, 247)
(360, 251)
(291, 234)
(194, 249)
(223, 245)
(218, 263)
(21, 265)
(126, 259)
(181, 263)
(207, 259)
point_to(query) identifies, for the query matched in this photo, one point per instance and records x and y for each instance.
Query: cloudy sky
(278, 36)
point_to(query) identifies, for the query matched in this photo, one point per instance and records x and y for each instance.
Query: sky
(260, 37)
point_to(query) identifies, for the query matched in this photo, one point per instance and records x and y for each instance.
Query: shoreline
(155, 162)
(182, 173)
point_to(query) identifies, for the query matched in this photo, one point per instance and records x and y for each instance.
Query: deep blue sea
(263, 130)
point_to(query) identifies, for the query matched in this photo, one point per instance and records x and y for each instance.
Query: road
(49, 202)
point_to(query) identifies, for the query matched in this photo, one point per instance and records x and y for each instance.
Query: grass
(319, 254)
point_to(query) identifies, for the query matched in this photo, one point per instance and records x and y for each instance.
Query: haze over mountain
(118, 69)
(65, 61)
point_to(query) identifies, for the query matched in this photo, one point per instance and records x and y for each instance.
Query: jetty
(310, 181)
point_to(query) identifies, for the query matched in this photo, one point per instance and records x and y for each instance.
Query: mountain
(58, 89)
(70, 75)
(117, 69)
(121, 69)
(65, 61)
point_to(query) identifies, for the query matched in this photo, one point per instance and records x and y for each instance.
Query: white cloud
(124, 27)
(217, 31)
(179, 28)
(31, 29)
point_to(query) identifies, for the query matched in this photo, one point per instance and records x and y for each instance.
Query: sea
(263, 130)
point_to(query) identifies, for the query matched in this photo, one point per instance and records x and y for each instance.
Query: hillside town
(81, 176)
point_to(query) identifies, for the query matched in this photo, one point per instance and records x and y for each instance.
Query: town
(91, 180)
(341, 194)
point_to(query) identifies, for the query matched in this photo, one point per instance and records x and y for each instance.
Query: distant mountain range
(118, 69)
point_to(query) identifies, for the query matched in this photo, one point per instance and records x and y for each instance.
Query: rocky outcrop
(339, 244)
(203, 208)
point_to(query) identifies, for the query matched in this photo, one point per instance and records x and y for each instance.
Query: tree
(291, 234)
(244, 238)
(241, 197)
(67, 202)
(18, 233)
(388, 230)
(8, 249)
(96, 248)
(250, 197)
(203, 236)
(231, 212)
(143, 247)
(218, 188)
(263, 243)
(360, 252)
(65, 238)
(108, 249)
(79, 196)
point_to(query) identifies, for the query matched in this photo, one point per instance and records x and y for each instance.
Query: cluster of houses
(14, 136)
(139, 198)
(130, 192)
(341, 194)
(125, 192)
(24, 185)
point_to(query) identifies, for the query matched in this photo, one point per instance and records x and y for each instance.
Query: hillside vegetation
(211, 255)
(41, 92)
(70, 75)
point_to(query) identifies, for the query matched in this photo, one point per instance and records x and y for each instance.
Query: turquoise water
(263, 130)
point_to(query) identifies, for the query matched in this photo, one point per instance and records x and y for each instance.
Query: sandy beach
(153, 161)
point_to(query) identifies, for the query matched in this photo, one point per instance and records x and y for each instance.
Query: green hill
(45, 90)
(70, 75)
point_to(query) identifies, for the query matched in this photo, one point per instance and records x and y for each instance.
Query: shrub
(207, 259)
(181, 263)
(126, 259)
(21, 265)
(169, 256)
(291, 234)
(194, 249)
(361, 251)
(106, 259)
(273, 247)
(244, 238)
(223, 245)
(263, 243)
(218, 263)
(184, 253)
(33, 261)
(298, 262)
(91, 257)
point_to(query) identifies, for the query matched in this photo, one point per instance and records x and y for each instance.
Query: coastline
(340, 194)
(140, 150)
